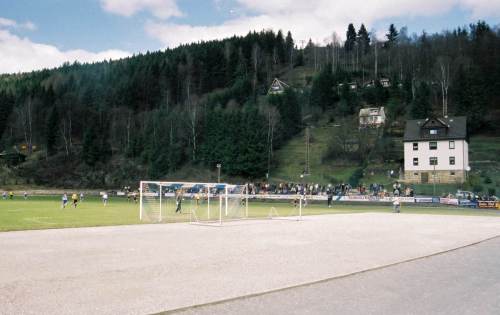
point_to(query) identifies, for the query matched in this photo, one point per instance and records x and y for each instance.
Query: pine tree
(364, 39)
(90, 147)
(421, 106)
(392, 37)
(350, 38)
(289, 45)
(51, 132)
(281, 47)
(322, 90)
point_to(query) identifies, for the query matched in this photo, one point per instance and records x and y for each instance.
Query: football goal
(206, 203)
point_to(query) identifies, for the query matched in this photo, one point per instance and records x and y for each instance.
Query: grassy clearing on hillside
(290, 161)
(46, 212)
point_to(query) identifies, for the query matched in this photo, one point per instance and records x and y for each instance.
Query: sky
(37, 34)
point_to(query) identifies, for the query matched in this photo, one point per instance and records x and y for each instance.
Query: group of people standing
(11, 195)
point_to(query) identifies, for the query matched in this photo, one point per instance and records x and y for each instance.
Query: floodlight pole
(219, 165)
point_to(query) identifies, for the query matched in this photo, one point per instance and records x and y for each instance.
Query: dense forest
(151, 115)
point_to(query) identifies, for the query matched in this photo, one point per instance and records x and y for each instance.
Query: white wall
(443, 153)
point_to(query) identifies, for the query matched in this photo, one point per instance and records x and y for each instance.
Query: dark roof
(452, 127)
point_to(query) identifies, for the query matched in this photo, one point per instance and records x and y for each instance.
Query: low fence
(347, 198)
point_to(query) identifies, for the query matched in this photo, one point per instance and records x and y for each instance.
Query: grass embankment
(290, 159)
(46, 212)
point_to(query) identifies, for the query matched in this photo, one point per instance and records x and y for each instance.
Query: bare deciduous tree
(25, 117)
(443, 64)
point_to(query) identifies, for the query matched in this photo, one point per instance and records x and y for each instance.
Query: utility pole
(434, 180)
(307, 170)
(218, 172)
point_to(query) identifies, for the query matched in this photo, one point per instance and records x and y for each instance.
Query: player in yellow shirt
(74, 197)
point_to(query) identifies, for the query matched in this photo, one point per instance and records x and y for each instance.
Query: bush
(356, 177)
(478, 188)
(487, 180)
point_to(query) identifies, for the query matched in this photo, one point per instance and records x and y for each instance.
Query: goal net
(193, 202)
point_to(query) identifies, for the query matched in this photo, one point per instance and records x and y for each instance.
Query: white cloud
(162, 9)
(315, 19)
(22, 55)
(7, 23)
(13, 24)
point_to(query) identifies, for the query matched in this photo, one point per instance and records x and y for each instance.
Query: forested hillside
(155, 114)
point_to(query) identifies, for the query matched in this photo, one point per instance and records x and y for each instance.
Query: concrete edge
(301, 285)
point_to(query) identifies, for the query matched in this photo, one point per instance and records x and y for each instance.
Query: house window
(433, 160)
(433, 145)
(452, 144)
(415, 161)
(452, 173)
(452, 160)
(433, 132)
(415, 146)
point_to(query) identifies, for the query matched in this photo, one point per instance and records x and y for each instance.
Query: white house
(277, 87)
(371, 117)
(436, 150)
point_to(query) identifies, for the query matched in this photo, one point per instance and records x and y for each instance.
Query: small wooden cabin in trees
(277, 87)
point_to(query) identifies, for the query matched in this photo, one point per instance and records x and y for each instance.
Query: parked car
(463, 194)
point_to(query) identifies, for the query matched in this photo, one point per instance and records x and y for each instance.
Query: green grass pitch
(46, 212)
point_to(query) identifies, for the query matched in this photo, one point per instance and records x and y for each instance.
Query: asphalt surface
(463, 281)
(146, 269)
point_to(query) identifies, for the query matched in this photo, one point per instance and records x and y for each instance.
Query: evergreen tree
(322, 90)
(6, 106)
(364, 39)
(90, 148)
(281, 47)
(350, 38)
(392, 37)
(421, 106)
(290, 111)
(289, 46)
(51, 132)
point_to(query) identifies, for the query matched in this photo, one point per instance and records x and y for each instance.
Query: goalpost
(192, 201)
(212, 203)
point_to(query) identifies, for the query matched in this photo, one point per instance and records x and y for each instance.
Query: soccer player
(11, 195)
(25, 195)
(74, 197)
(134, 196)
(4, 195)
(197, 198)
(64, 200)
(330, 197)
(105, 199)
(397, 205)
(178, 202)
(81, 197)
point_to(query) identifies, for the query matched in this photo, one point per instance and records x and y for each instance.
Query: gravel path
(151, 268)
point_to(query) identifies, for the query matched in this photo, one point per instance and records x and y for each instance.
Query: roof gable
(277, 86)
(434, 123)
(453, 128)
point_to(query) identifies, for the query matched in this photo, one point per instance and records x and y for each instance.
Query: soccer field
(46, 212)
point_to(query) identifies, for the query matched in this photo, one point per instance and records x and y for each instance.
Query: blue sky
(44, 33)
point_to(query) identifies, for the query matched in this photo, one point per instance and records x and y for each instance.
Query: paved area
(152, 268)
(465, 281)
